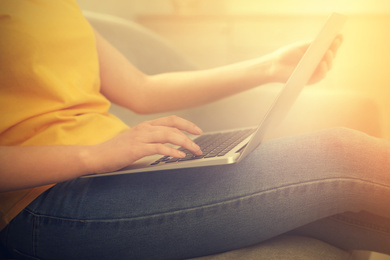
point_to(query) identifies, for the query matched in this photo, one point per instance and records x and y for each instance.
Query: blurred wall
(129, 8)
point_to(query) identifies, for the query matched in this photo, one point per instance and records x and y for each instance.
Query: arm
(30, 166)
(124, 85)
(24, 167)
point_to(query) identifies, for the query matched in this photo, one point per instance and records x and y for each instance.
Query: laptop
(231, 146)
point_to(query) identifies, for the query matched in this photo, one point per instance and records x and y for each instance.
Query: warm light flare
(307, 6)
(258, 27)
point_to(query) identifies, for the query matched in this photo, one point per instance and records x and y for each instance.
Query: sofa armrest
(145, 49)
(315, 108)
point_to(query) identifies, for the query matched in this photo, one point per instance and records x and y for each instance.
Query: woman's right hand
(147, 138)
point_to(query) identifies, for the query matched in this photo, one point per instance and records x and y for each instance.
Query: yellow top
(49, 84)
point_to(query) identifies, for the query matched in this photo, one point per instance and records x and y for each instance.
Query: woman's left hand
(287, 58)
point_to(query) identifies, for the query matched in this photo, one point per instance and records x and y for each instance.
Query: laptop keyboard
(212, 145)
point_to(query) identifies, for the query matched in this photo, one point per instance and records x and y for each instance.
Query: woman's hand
(24, 167)
(287, 58)
(147, 138)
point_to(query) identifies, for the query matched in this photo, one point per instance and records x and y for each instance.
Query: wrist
(275, 70)
(99, 158)
(89, 159)
(264, 70)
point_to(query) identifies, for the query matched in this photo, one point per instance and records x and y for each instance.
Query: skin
(25, 167)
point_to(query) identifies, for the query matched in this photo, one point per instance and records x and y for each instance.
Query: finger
(177, 122)
(164, 150)
(176, 137)
(328, 59)
(336, 44)
(319, 73)
(164, 134)
(322, 70)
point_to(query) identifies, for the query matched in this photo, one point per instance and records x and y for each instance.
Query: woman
(58, 77)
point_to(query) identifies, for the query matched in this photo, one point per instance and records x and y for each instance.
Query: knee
(348, 149)
(339, 138)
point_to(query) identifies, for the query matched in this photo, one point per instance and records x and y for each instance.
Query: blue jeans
(333, 185)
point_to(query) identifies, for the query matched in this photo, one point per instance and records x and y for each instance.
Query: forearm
(181, 90)
(124, 85)
(30, 166)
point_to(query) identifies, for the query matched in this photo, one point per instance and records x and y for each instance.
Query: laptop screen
(298, 80)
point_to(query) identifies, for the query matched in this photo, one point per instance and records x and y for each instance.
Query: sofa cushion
(284, 247)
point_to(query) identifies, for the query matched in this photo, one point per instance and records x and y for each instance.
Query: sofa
(315, 109)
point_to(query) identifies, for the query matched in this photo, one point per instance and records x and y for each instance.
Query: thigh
(284, 184)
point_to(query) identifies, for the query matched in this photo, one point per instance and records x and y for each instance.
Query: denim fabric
(333, 185)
